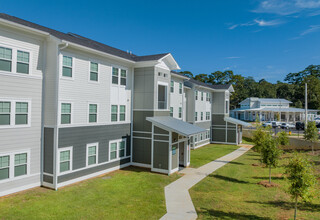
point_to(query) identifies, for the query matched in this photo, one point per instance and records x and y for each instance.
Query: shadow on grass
(237, 163)
(310, 207)
(229, 179)
(230, 215)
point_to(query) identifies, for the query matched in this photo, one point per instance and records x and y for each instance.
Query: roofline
(175, 64)
(179, 75)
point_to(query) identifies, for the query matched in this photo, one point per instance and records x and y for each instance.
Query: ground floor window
(92, 154)
(65, 159)
(13, 165)
(117, 149)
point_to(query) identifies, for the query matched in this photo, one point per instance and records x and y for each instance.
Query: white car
(266, 124)
(317, 120)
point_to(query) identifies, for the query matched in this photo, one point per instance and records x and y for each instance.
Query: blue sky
(264, 39)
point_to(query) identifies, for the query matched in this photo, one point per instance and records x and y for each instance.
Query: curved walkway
(178, 201)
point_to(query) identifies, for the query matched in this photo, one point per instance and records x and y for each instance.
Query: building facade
(72, 108)
(268, 109)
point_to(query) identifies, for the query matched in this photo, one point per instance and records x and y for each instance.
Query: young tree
(259, 137)
(278, 116)
(283, 138)
(301, 180)
(311, 133)
(270, 153)
(257, 119)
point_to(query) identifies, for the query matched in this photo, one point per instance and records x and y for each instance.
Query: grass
(208, 153)
(246, 140)
(131, 193)
(232, 192)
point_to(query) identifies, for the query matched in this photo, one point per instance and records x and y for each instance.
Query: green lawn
(232, 192)
(132, 193)
(246, 140)
(208, 153)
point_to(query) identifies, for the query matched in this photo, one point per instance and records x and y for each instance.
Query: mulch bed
(266, 184)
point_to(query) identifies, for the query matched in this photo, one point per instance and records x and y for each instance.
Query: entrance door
(181, 154)
(239, 134)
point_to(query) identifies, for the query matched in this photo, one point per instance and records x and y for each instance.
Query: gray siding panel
(48, 179)
(218, 120)
(160, 155)
(232, 136)
(218, 135)
(48, 150)
(79, 137)
(91, 170)
(141, 151)
(205, 125)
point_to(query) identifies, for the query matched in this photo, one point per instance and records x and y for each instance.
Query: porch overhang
(171, 124)
(236, 121)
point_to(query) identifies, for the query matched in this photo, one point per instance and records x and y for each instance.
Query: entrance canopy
(236, 121)
(171, 124)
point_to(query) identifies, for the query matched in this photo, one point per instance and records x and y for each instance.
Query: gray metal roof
(175, 125)
(220, 86)
(236, 121)
(271, 100)
(276, 109)
(83, 41)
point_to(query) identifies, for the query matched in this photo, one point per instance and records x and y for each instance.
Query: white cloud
(233, 57)
(258, 22)
(286, 7)
(311, 29)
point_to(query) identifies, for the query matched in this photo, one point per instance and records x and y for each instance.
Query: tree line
(292, 88)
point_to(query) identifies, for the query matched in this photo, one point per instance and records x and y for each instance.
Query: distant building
(267, 110)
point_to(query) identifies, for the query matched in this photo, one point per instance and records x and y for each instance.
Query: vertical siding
(176, 99)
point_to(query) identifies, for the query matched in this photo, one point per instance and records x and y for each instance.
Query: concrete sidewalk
(178, 201)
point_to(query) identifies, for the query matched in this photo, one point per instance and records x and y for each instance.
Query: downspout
(66, 44)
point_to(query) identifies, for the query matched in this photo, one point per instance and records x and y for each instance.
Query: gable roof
(210, 86)
(83, 41)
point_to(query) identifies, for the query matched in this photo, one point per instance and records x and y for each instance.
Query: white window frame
(166, 95)
(91, 103)
(22, 61)
(13, 113)
(119, 76)
(171, 86)
(118, 149)
(201, 116)
(61, 66)
(201, 96)
(12, 165)
(180, 112)
(71, 159)
(14, 59)
(171, 112)
(97, 154)
(180, 89)
(71, 118)
(196, 94)
(196, 116)
(89, 75)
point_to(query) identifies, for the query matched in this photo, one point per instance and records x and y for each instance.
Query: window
(180, 112)
(93, 111)
(64, 160)
(201, 137)
(117, 149)
(114, 113)
(20, 164)
(22, 62)
(21, 113)
(122, 149)
(196, 116)
(4, 167)
(207, 116)
(123, 80)
(227, 107)
(113, 151)
(115, 75)
(196, 95)
(171, 111)
(208, 97)
(159, 74)
(196, 138)
(201, 116)
(180, 88)
(201, 96)
(5, 109)
(172, 86)
(65, 113)
(67, 66)
(93, 71)
(165, 75)
(92, 153)
(162, 97)
(122, 112)
(5, 59)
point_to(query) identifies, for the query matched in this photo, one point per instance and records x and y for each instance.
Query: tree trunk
(312, 148)
(270, 174)
(295, 208)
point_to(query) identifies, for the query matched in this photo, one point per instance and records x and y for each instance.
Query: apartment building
(72, 108)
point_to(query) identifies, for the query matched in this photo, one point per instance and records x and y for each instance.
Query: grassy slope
(208, 153)
(132, 193)
(232, 193)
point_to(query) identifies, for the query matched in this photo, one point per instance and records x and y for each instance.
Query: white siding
(80, 91)
(202, 106)
(176, 99)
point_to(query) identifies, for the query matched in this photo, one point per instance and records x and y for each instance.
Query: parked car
(266, 124)
(287, 126)
(299, 125)
(319, 132)
(274, 124)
